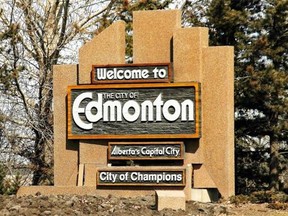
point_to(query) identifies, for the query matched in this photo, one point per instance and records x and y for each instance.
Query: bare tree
(34, 35)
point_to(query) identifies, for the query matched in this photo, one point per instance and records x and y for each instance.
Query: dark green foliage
(2, 176)
(258, 31)
(252, 170)
(239, 199)
(276, 200)
(268, 197)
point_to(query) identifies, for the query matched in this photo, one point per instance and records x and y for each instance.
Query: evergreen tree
(260, 39)
(258, 31)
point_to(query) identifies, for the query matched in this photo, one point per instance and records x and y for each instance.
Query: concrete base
(205, 195)
(170, 199)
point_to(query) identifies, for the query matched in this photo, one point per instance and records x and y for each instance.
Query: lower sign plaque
(141, 177)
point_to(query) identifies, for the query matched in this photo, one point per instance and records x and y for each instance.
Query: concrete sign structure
(165, 122)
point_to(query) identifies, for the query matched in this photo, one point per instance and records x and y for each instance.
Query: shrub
(278, 206)
(261, 197)
(268, 197)
(239, 199)
(10, 185)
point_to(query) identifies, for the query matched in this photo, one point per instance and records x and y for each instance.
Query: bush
(11, 185)
(268, 197)
(261, 197)
(239, 199)
(278, 206)
(276, 200)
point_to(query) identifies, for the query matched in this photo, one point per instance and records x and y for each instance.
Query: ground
(93, 205)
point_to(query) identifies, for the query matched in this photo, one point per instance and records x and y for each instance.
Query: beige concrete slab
(106, 48)
(81, 175)
(188, 187)
(193, 152)
(202, 178)
(188, 44)
(152, 35)
(204, 195)
(93, 151)
(65, 151)
(90, 174)
(173, 199)
(213, 68)
(218, 116)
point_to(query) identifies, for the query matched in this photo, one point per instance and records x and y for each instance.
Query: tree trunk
(274, 164)
(42, 161)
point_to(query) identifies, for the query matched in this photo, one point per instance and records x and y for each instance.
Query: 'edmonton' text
(131, 110)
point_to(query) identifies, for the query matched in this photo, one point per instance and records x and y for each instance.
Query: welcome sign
(133, 125)
(169, 110)
(128, 73)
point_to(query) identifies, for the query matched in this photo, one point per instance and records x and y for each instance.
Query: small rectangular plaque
(145, 151)
(140, 177)
(127, 73)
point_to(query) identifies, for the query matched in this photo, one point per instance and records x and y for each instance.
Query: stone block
(217, 98)
(204, 195)
(93, 151)
(188, 44)
(80, 175)
(90, 174)
(187, 189)
(202, 178)
(106, 48)
(174, 199)
(65, 151)
(152, 35)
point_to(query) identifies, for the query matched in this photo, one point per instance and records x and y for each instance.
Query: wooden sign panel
(145, 151)
(140, 177)
(134, 111)
(127, 73)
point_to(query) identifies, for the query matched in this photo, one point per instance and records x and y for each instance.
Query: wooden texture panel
(138, 128)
